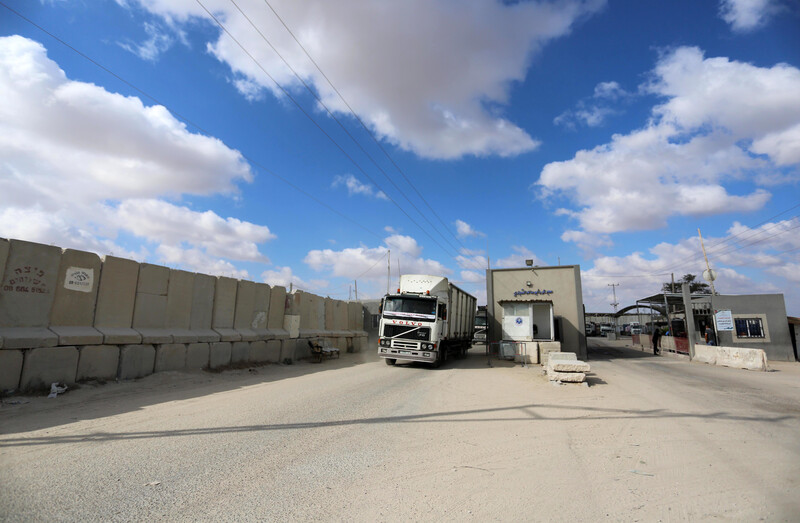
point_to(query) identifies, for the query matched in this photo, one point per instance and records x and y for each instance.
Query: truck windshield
(480, 321)
(410, 307)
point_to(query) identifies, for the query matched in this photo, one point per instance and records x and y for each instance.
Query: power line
(363, 125)
(316, 124)
(333, 116)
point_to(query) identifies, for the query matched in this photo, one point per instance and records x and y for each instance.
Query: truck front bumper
(396, 353)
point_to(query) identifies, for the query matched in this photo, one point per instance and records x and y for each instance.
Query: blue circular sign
(519, 321)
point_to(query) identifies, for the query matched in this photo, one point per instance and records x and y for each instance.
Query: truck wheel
(389, 361)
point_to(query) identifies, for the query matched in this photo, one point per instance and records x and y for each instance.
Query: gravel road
(652, 438)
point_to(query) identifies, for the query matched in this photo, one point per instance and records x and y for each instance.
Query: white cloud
(717, 117)
(150, 49)
(746, 15)
(370, 263)
(198, 261)
(592, 112)
(465, 230)
(284, 276)
(354, 186)
(84, 165)
(441, 104)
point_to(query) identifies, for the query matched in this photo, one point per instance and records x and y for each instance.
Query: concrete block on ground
(220, 354)
(119, 335)
(531, 353)
(197, 355)
(277, 306)
(77, 335)
(136, 361)
(547, 347)
(116, 295)
(10, 368)
(179, 300)
(340, 316)
(170, 356)
(184, 336)
(742, 358)
(355, 316)
(27, 337)
(289, 349)
(97, 362)
(265, 351)
(567, 366)
(202, 302)
(240, 351)
(561, 356)
(44, 366)
(224, 303)
(566, 377)
(76, 290)
(27, 288)
(245, 303)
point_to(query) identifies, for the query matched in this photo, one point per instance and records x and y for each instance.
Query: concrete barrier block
(245, 305)
(531, 353)
(186, 336)
(197, 355)
(261, 309)
(155, 335)
(202, 302)
(742, 358)
(150, 311)
(224, 303)
(44, 366)
(136, 361)
(119, 335)
(28, 285)
(10, 367)
(563, 356)
(27, 337)
(277, 308)
(179, 300)
(220, 354)
(265, 351)
(240, 352)
(116, 295)
(228, 334)
(77, 335)
(705, 354)
(4, 248)
(97, 362)
(76, 290)
(170, 356)
(291, 324)
(153, 279)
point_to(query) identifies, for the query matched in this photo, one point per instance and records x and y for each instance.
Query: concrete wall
(68, 315)
(771, 309)
(567, 298)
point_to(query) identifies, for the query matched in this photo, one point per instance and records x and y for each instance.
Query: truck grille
(402, 331)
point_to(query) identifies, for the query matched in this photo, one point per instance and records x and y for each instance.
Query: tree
(695, 287)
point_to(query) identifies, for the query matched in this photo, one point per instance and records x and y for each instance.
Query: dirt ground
(651, 439)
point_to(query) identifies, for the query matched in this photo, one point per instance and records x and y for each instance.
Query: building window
(749, 328)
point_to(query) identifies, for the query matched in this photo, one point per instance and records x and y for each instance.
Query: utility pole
(672, 288)
(708, 267)
(356, 284)
(614, 290)
(388, 270)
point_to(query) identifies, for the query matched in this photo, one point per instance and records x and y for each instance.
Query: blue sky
(598, 133)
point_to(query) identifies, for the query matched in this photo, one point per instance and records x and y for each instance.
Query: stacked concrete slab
(565, 367)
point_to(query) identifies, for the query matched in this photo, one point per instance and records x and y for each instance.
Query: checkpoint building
(537, 304)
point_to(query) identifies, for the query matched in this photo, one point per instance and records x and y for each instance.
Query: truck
(481, 325)
(428, 320)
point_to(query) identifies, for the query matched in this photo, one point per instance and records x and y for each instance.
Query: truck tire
(390, 361)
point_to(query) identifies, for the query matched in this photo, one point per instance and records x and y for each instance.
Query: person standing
(711, 336)
(656, 337)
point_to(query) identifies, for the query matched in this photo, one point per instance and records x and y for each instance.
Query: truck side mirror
(380, 308)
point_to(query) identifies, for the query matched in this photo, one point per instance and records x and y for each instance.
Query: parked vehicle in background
(605, 329)
(427, 320)
(481, 325)
(636, 328)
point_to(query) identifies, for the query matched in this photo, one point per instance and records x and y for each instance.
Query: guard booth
(528, 321)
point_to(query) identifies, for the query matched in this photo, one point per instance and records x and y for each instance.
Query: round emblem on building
(519, 321)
